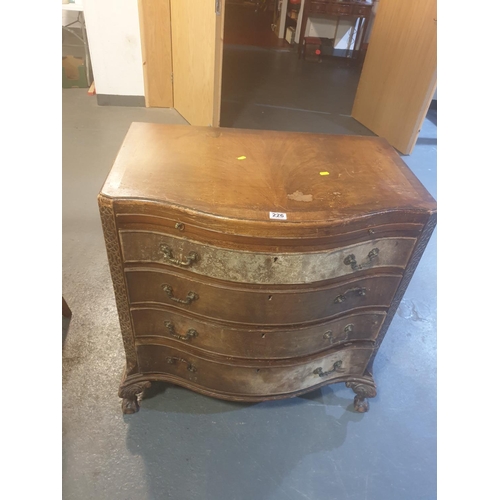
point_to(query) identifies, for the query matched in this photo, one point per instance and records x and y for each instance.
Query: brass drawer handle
(191, 333)
(360, 291)
(189, 298)
(350, 260)
(329, 334)
(169, 256)
(337, 367)
(172, 361)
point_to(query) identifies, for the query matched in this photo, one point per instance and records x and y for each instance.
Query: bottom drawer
(251, 377)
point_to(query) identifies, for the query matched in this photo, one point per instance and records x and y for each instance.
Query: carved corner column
(117, 275)
(415, 258)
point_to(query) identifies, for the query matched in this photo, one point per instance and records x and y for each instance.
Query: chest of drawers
(252, 265)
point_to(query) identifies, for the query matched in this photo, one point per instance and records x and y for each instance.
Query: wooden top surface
(310, 177)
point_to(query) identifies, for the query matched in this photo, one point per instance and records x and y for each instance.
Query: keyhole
(275, 259)
(270, 297)
(258, 370)
(263, 335)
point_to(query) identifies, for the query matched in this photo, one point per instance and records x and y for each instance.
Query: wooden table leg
(303, 24)
(363, 34)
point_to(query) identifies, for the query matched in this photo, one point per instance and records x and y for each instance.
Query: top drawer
(317, 8)
(361, 11)
(262, 267)
(333, 8)
(340, 10)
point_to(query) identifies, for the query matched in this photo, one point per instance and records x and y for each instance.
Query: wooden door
(398, 78)
(197, 36)
(154, 19)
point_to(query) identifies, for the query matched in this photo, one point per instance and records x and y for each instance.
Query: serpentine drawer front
(252, 265)
(264, 268)
(258, 306)
(158, 326)
(250, 379)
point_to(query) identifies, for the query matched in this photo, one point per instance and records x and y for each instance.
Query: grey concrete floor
(182, 445)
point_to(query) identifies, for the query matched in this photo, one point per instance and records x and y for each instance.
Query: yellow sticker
(242, 158)
(324, 173)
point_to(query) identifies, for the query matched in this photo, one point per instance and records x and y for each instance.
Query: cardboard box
(74, 73)
(312, 49)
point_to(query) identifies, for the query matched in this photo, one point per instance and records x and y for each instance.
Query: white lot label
(277, 215)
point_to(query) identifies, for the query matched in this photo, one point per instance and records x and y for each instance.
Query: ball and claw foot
(129, 396)
(130, 405)
(361, 405)
(362, 390)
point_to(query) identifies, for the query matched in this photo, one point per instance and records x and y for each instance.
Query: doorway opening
(265, 85)
(250, 85)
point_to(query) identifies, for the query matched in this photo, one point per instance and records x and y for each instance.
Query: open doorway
(248, 85)
(254, 23)
(266, 85)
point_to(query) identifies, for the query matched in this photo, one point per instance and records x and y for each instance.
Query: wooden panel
(399, 74)
(197, 60)
(154, 18)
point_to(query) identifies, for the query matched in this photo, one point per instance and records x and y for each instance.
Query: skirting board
(121, 100)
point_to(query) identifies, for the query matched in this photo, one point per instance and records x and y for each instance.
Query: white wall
(115, 46)
(69, 17)
(325, 28)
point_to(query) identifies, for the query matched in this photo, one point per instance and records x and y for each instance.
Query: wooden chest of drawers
(253, 265)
